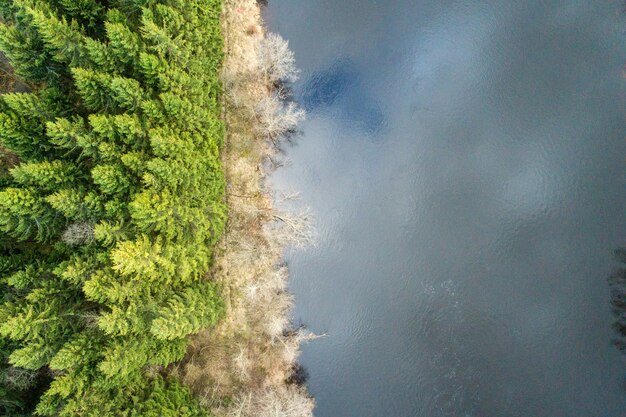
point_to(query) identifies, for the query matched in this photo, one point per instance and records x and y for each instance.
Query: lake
(465, 162)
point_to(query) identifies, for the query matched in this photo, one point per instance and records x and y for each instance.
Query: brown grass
(242, 367)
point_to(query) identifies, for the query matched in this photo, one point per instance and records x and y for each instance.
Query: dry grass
(243, 366)
(285, 401)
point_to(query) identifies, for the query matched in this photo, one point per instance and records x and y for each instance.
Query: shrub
(116, 199)
(287, 401)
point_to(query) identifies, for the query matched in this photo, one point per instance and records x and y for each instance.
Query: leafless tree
(276, 60)
(296, 228)
(277, 117)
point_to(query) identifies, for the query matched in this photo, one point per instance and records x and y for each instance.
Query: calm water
(466, 163)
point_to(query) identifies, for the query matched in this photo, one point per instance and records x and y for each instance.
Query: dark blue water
(466, 164)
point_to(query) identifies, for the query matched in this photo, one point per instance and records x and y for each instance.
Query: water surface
(466, 164)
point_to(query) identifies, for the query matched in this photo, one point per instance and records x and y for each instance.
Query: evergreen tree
(118, 139)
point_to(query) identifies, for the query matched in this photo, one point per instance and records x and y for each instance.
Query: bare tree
(277, 117)
(296, 228)
(276, 60)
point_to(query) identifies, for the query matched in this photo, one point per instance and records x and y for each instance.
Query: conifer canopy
(109, 216)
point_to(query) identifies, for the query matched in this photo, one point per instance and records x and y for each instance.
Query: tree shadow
(617, 285)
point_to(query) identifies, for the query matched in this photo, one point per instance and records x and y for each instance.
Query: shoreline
(247, 364)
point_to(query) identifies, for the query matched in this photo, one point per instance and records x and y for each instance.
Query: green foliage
(187, 313)
(105, 93)
(167, 398)
(19, 388)
(141, 397)
(24, 215)
(23, 118)
(118, 139)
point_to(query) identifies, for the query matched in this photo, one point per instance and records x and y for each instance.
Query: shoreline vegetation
(141, 268)
(247, 365)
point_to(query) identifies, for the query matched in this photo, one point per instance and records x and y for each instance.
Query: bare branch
(276, 60)
(277, 117)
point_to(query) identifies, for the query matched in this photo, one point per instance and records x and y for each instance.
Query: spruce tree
(111, 201)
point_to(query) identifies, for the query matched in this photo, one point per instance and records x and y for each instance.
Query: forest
(111, 202)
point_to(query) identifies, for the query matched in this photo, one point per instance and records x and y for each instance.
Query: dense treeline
(111, 200)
